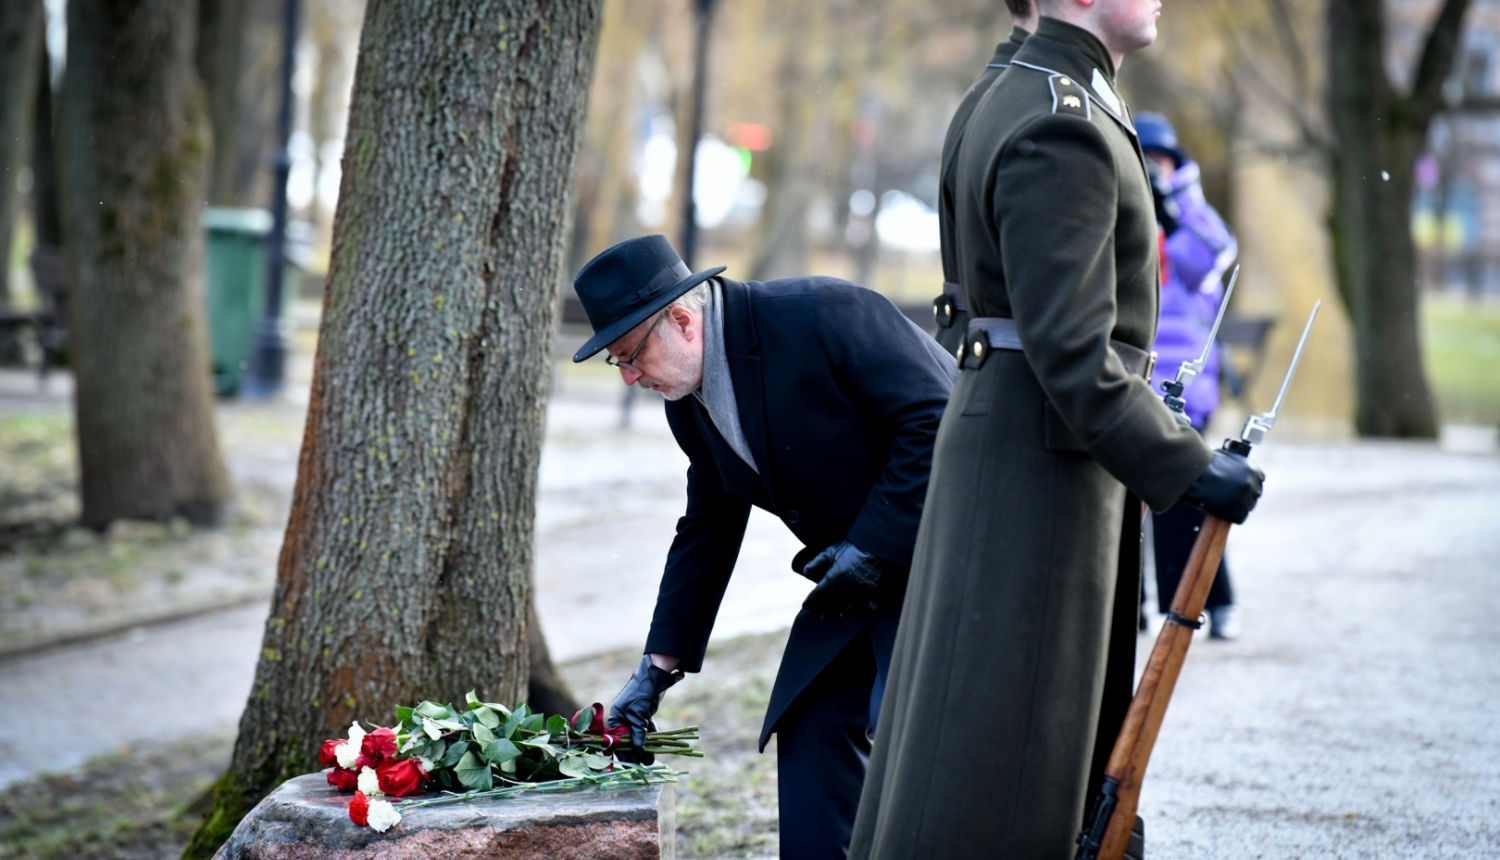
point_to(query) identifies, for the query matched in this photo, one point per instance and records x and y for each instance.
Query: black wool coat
(1012, 666)
(840, 397)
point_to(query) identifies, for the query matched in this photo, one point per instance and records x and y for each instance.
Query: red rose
(401, 776)
(343, 780)
(359, 809)
(326, 756)
(377, 747)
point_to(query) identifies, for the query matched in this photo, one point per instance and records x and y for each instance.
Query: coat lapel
(746, 373)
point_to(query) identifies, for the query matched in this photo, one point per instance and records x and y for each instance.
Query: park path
(607, 509)
(1356, 718)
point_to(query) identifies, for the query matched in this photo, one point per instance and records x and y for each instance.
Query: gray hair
(694, 299)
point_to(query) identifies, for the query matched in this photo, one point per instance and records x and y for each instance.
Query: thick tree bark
(406, 568)
(1380, 133)
(133, 143)
(221, 42)
(21, 24)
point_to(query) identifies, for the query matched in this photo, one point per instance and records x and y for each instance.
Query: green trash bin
(236, 279)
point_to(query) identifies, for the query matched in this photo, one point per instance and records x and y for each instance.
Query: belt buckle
(943, 311)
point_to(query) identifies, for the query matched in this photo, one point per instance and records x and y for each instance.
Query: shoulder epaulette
(1068, 96)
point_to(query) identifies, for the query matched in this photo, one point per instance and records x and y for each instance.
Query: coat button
(792, 517)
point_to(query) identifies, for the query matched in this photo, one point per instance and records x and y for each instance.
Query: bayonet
(1257, 426)
(1189, 370)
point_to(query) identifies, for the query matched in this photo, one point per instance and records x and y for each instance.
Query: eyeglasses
(630, 362)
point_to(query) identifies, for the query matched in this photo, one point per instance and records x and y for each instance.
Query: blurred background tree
(132, 155)
(21, 27)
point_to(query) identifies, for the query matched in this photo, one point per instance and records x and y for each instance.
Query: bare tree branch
(1437, 60)
(1311, 131)
(1281, 17)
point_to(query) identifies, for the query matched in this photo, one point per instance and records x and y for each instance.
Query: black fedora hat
(623, 286)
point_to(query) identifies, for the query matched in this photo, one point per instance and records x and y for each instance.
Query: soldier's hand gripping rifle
(1189, 370)
(1107, 833)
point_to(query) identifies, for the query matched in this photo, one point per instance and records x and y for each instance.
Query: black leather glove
(636, 704)
(850, 580)
(1228, 488)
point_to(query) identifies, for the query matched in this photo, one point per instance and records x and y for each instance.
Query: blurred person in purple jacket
(1197, 250)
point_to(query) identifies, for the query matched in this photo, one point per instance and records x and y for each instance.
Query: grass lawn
(137, 804)
(1461, 340)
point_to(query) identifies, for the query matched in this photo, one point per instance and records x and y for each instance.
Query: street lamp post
(689, 243)
(269, 366)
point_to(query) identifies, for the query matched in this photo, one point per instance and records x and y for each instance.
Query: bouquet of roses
(486, 750)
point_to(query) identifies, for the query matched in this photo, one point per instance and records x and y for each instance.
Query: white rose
(369, 783)
(356, 734)
(347, 754)
(383, 816)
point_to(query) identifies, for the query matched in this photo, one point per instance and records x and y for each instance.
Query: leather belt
(991, 333)
(947, 307)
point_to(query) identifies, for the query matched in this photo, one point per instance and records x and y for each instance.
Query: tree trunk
(131, 163)
(46, 215)
(21, 25)
(406, 568)
(221, 41)
(1379, 135)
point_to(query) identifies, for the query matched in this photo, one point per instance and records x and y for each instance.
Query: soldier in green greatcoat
(1012, 667)
(948, 309)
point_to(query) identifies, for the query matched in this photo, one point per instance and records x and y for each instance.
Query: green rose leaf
(403, 714)
(572, 766)
(512, 723)
(431, 729)
(534, 723)
(435, 751)
(535, 741)
(583, 719)
(557, 726)
(482, 734)
(473, 773)
(488, 717)
(508, 766)
(501, 751)
(597, 762)
(472, 701)
(432, 710)
(455, 752)
(451, 724)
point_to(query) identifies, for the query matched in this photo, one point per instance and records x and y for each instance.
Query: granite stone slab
(307, 819)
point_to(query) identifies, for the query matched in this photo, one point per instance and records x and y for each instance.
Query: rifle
(1108, 830)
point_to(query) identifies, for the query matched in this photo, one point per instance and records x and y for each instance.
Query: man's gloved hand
(636, 704)
(849, 580)
(1228, 488)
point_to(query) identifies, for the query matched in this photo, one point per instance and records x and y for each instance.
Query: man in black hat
(816, 400)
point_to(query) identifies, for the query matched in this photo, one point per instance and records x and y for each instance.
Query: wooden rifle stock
(1107, 834)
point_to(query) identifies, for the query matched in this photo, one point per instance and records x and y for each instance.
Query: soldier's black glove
(1228, 488)
(850, 580)
(636, 704)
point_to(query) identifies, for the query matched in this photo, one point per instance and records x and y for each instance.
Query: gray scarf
(717, 392)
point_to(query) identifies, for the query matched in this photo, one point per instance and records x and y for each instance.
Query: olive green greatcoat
(950, 335)
(992, 713)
